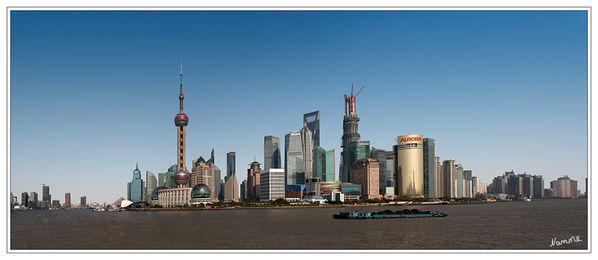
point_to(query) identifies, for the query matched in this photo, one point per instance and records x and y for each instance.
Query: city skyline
(119, 132)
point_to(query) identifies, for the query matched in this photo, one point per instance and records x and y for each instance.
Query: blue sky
(94, 92)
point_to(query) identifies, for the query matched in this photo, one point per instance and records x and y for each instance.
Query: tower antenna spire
(181, 97)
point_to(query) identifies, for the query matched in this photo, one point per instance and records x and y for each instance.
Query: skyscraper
(67, 200)
(357, 150)
(243, 192)
(271, 152)
(253, 182)
(528, 185)
(136, 185)
(330, 168)
(307, 147)
(564, 187)
(324, 167)
(538, 186)
(439, 179)
(231, 189)
(468, 188)
(312, 120)
(271, 184)
(162, 179)
(33, 199)
(366, 172)
(46, 197)
(294, 164)
(201, 174)
(181, 120)
(83, 203)
(24, 199)
(459, 181)
(319, 162)
(380, 156)
(151, 185)
(350, 134)
(448, 177)
(410, 180)
(390, 157)
(429, 168)
(215, 181)
(231, 163)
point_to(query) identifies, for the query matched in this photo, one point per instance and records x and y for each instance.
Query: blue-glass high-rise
(136, 186)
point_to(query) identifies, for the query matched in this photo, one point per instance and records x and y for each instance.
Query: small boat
(406, 213)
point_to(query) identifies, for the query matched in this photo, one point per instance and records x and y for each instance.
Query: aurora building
(409, 179)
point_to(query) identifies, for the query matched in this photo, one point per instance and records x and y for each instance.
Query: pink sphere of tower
(181, 119)
(181, 178)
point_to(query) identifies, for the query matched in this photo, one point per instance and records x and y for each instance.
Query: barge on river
(414, 213)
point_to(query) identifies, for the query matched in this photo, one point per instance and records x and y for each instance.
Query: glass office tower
(272, 152)
(429, 168)
(294, 164)
(313, 123)
(356, 151)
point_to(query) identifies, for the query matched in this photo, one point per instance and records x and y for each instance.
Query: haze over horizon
(95, 92)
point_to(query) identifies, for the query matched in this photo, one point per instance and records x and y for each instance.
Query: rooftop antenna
(351, 89)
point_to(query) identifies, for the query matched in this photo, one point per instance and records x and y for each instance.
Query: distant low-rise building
(294, 192)
(351, 191)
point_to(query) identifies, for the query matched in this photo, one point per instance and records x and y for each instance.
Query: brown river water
(507, 225)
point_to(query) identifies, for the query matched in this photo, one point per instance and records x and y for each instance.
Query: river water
(509, 225)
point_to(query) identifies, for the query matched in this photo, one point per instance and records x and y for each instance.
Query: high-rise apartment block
(564, 187)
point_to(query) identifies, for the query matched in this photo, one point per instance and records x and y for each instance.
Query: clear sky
(94, 92)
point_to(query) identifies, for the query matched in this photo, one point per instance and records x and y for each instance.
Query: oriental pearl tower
(181, 178)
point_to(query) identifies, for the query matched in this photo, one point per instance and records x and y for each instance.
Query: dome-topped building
(200, 194)
(200, 191)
